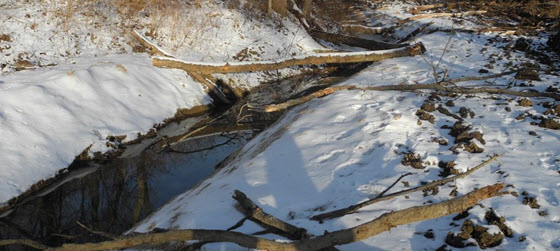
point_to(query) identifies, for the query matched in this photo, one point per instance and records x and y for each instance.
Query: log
(354, 41)
(371, 228)
(362, 29)
(444, 14)
(331, 58)
(206, 80)
(441, 86)
(250, 209)
(354, 208)
(156, 50)
(402, 217)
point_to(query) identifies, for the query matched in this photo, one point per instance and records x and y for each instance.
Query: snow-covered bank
(48, 117)
(345, 148)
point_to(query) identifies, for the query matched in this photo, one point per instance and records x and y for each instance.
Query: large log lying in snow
(319, 59)
(371, 228)
(445, 14)
(354, 41)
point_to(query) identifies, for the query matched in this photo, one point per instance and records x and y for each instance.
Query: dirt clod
(448, 168)
(5, 37)
(550, 124)
(450, 103)
(428, 107)
(527, 74)
(465, 112)
(531, 201)
(525, 102)
(413, 160)
(430, 234)
(493, 219)
(423, 115)
(479, 233)
(441, 142)
(473, 148)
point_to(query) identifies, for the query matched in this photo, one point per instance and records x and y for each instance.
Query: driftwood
(417, 9)
(251, 210)
(379, 225)
(354, 41)
(354, 208)
(339, 58)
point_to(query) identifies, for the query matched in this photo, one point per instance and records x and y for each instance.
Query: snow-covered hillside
(81, 82)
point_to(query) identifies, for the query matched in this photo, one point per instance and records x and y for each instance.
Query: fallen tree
(443, 14)
(354, 41)
(319, 59)
(441, 86)
(371, 228)
(206, 80)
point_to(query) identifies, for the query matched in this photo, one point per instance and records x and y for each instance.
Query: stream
(113, 197)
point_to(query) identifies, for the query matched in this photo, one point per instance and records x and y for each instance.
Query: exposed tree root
(354, 208)
(338, 58)
(379, 225)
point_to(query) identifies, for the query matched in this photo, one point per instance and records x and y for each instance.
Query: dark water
(113, 197)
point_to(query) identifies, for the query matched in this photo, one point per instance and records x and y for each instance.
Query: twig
(103, 234)
(238, 224)
(354, 208)
(392, 185)
(170, 149)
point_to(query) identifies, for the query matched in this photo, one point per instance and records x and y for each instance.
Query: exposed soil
(413, 160)
(493, 219)
(477, 232)
(448, 168)
(550, 124)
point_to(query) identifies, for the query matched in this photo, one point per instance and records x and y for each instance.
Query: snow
(342, 149)
(49, 116)
(323, 155)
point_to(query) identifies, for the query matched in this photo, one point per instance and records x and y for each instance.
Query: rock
(483, 71)
(450, 103)
(430, 234)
